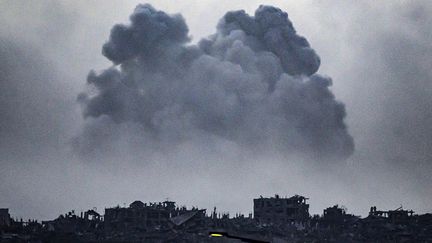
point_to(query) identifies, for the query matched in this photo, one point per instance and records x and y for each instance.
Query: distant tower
(214, 216)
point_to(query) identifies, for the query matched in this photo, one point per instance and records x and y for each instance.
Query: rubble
(275, 219)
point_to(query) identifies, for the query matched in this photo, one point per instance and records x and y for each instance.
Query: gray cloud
(252, 83)
(271, 30)
(382, 72)
(26, 100)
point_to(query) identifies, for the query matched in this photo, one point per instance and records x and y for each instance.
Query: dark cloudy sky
(211, 108)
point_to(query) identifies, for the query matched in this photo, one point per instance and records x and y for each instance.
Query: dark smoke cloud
(150, 30)
(252, 83)
(271, 30)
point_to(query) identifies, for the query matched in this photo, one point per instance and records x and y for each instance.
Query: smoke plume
(252, 83)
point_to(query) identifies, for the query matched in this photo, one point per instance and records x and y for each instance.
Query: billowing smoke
(252, 83)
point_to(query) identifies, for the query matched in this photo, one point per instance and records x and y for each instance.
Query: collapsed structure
(277, 210)
(275, 219)
(149, 221)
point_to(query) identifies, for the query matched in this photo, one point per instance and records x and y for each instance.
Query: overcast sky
(62, 147)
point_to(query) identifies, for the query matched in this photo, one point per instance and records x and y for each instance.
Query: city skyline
(337, 108)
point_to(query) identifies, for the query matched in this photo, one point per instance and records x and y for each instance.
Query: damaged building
(395, 216)
(278, 210)
(275, 219)
(5, 219)
(142, 219)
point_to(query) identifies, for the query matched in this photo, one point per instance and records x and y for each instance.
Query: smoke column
(252, 83)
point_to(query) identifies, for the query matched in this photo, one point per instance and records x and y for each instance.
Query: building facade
(143, 217)
(278, 210)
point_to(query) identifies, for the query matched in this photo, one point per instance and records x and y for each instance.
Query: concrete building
(395, 216)
(334, 213)
(5, 219)
(143, 217)
(277, 210)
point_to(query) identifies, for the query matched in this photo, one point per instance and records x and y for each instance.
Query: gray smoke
(25, 101)
(253, 83)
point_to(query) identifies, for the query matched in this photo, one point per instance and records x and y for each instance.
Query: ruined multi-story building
(69, 223)
(143, 217)
(337, 217)
(278, 210)
(394, 216)
(334, 213)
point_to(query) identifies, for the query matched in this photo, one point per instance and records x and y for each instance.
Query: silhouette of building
(394, 216)
(277, 210)
(334, 213)
(5, 219)
(143, 217)
(276, 220)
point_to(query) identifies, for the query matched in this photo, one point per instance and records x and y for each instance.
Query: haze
(59, 151)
